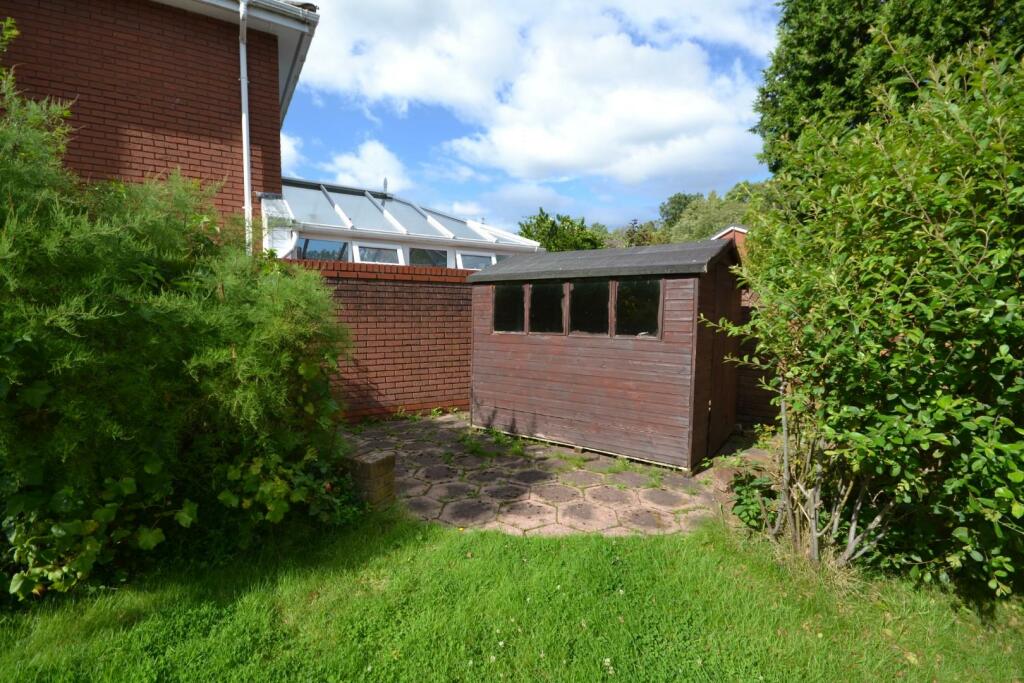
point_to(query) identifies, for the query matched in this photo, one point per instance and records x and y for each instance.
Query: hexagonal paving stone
(526, 514)
(647, 521)
(581, 478)
(498, 525)
(664, 499)
(423, 459)
(613, 497)
(552, 530)
(488, 476)
(678, 481)
(506, 492)
(555, 493)
(465, 513)
(532, 476)
(469, 462)
(633, 479)
(586, 516)
(424, 508)
(450, 491)
(437, 473)
(410, 488)
(602, 463)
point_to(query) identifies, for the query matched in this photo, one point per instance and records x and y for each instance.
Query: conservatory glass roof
(332, 206)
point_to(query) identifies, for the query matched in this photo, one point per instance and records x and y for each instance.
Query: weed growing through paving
(655, 478)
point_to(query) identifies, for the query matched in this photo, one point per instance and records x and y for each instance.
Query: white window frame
(460, 254)
(357, 252)
(440, 247)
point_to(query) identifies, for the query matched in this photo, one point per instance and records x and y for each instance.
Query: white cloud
(467, 209)
(368, 166)
(291, 154)
(633, 91)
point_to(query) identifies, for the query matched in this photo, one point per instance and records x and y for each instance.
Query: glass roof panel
(411, 218)
(310, 206)
(363, 213)
(457, 227)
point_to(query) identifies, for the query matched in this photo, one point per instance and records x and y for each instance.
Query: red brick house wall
(411, 332)
(152, 88)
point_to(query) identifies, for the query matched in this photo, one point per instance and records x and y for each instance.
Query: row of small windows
(336, 250)
(635, 302)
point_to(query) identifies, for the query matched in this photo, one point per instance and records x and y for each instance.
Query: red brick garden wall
(152, 88)
(411, 332)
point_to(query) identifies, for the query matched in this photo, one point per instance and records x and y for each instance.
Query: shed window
(428, 257)
(378, 255)
(636, 308)
(546, 307)
(508, 308)
(588, 307)
(322, 250)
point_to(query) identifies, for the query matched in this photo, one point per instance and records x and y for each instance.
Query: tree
(886, 260)
(672, 208)
(639, 234)
(707, 215)
(561, 233)
(829, 58)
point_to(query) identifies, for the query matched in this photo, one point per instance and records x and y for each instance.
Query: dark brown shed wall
(626, 396)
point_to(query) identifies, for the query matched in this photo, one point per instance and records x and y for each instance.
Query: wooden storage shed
(606, 350)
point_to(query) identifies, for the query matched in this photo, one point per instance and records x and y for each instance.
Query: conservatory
(317, 221)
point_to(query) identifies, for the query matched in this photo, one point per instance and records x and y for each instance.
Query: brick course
(411, 332)
(151, 88)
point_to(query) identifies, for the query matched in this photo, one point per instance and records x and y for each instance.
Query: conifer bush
(154, 379)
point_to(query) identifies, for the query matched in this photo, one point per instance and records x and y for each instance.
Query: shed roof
(687, 258)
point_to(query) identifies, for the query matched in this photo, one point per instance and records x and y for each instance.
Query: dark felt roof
(687, 258)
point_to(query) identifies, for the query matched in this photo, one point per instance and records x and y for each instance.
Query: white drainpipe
(243, 15)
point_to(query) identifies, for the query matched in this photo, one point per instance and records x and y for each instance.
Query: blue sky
(490, 110)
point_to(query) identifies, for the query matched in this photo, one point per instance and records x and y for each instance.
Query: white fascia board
(416, 240)
(387, 214)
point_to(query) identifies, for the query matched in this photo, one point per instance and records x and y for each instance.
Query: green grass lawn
(396, 600)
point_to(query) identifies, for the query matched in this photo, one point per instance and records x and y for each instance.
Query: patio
(447, 472)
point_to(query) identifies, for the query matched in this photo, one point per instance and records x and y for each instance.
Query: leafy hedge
(888, 263)
(153, 377)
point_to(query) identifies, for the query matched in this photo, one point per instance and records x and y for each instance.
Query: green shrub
(153, 377)
(888, 263)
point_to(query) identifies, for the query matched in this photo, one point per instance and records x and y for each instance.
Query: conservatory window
(321, 250)
(474, 261)
(428, 257)
(378, 254)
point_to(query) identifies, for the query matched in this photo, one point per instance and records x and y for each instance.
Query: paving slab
(611, 496)
(535, 488)
(648, 521)
(468, 513)
(581, 478)
(526, 514)
(586, 516)
(555, 493)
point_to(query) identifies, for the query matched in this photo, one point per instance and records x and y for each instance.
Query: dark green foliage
(153, 378)
(887, 261)
(561, 233)
(672, 208)
(829, 60)
(704, 216)
(639, 234)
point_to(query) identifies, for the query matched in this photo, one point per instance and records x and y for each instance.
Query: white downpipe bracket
(243, 68)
